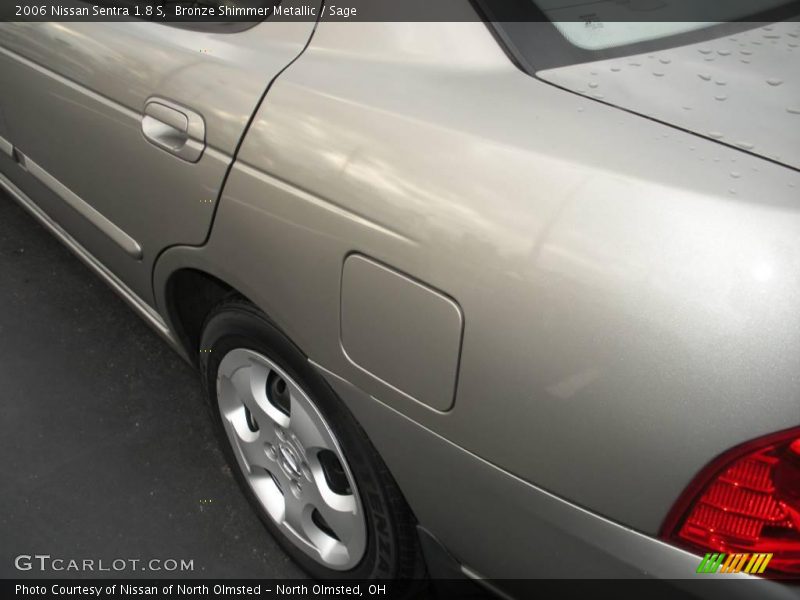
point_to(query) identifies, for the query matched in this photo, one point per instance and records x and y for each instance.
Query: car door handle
(173, 128)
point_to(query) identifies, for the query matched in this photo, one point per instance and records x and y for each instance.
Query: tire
(236, 331)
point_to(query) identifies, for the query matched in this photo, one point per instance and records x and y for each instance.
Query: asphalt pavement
(107, 451)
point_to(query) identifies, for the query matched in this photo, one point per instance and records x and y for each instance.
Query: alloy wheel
(291, 459)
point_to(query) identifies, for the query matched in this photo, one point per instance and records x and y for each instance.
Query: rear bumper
(503, 528)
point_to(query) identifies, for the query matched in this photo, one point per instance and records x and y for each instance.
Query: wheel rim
(291, 459)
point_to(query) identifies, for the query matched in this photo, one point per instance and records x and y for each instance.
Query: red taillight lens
(746, 501)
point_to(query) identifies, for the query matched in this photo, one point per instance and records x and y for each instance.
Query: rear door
(124, 131)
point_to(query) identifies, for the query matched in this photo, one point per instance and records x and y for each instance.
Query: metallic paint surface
(79, 91)
(148, 314)
(536, 534)
(627, 317)
(400, 331)
(119, 237)
(630, 306)
(743, 90)
(6, 147)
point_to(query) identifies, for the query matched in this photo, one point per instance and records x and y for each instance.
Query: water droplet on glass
(704, 50)
(716, 134)
(664, 61)
(795, 110)
(721, 97)
(721, 82)
(773, 81)
(723, 52)
(746, 52)
(593, 85)
(735, 175)
(658, 73)
(745, 145)
(704, 76)
(598, 96)
(615, 69)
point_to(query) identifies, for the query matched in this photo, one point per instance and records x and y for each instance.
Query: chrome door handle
(173, 128)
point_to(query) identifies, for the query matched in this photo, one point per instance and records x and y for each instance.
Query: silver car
(502, 300)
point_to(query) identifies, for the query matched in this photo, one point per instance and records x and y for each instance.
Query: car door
(122, 132)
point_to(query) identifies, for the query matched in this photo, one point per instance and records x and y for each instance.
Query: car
(501, 300)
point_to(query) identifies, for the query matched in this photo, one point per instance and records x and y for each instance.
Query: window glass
(609, 23)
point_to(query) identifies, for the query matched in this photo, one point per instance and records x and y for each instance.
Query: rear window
(599, 25)
(544, 34)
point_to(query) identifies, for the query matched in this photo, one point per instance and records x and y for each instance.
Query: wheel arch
(189, 296)
(189, 283)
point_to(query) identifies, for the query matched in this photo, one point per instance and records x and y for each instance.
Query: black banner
(171, 11)
(700, 586)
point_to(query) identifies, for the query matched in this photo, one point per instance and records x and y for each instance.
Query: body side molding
(140, 306)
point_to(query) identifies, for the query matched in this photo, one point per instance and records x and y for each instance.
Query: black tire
(392, 550)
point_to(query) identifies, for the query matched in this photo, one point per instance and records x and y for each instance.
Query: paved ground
(107, 451)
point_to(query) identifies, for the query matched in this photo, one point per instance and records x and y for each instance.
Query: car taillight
(745, 501)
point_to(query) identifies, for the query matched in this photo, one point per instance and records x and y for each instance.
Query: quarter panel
(629, 306)
(516, 530)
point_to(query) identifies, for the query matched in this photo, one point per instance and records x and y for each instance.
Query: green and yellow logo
(734, 563)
